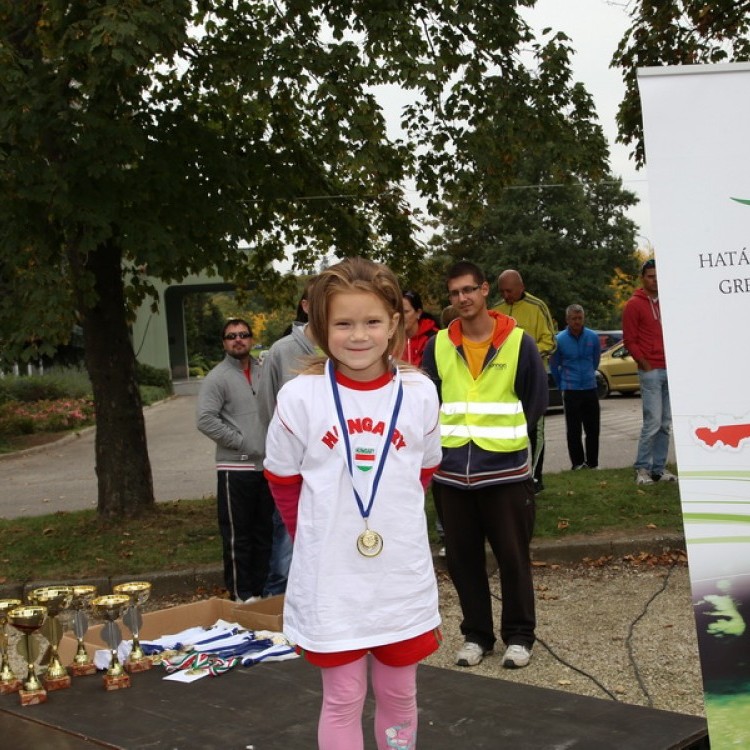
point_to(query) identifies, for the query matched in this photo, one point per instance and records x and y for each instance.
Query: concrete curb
(210, 578)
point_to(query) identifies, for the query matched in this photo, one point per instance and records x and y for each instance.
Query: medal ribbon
(399, 395)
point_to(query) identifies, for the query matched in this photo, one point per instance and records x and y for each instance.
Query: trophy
(82, 598)
(138, 591)
(55, 599)
(109, 608)
(9, 683)
(28, 618)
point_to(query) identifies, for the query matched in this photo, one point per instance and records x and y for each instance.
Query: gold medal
(369, 543)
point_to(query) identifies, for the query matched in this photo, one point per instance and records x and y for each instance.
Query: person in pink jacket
(642, 333)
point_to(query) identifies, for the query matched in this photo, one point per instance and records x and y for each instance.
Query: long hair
(356, 275)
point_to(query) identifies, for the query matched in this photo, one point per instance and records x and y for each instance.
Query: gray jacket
(281, 364)
(228, 413)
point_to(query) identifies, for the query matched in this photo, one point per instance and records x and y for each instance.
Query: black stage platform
(275, 707)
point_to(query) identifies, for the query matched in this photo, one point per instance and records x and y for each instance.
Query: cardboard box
(265, 614)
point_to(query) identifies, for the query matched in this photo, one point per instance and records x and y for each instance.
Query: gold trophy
(139, 592)
(109, 608)
(28, 618)
(55, 599)
(9, 683)
(83, 595)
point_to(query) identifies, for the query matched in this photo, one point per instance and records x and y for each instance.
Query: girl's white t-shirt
(336, 598)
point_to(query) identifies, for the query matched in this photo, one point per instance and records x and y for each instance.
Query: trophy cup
(28, 619)
(55, 599)
(9, 683)
(109, 608)
(139, 592)
(83, 595)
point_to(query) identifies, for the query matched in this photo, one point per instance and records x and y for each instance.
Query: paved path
(62, 476)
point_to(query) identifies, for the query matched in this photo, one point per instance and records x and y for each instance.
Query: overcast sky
(595, 28)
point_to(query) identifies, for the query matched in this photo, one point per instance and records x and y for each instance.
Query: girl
(352, 445)
(419, 328)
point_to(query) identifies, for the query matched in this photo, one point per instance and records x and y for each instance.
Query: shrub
(55, 384)
(148, 375)
(45, 416)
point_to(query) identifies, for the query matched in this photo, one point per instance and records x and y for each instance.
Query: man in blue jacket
(573, 366)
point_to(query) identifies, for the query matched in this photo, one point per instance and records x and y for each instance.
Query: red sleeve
(285, 492)
(425, 476)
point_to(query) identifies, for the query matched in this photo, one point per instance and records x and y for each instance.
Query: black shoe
(538, 486)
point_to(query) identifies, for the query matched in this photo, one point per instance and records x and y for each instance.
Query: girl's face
(359, 329)
(411, 318)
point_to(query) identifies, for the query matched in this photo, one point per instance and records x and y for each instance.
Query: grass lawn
(184, 534)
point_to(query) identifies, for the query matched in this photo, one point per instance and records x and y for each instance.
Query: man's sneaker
(666, 476)
(538, 486)
(578, 467)
(643, 477)
(516, 656)
(471, 654)
(442, 552)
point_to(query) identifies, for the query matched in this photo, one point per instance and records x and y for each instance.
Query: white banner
(697, 135)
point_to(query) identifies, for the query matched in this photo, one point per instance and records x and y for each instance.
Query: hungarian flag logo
(364, 458)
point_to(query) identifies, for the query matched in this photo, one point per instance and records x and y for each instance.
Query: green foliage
(52, 385)
(154, 376)
(675, 32)
(537, 194)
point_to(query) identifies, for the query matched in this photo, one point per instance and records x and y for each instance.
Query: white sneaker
(471, 654)
(642, 476)
(516, 656)
(442, 552)
(252, 599)
(667, 476)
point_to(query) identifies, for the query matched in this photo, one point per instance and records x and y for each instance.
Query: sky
(595, 28)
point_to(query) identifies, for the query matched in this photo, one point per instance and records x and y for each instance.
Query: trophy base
(138, 665)
(56, 683)
(83, 670)
(116, 683)
(10, 686)
(32, 697)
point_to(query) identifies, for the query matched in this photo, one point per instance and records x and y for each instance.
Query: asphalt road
(62, 476)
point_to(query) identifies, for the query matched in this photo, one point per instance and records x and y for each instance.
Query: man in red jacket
(642, 333)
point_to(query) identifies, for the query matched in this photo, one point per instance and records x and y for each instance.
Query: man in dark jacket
(493, 389)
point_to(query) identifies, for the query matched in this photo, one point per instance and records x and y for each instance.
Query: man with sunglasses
(228, 414)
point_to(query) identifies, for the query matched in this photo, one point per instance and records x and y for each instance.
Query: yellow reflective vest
(485, 411)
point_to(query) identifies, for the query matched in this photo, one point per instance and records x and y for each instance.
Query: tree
(536, 193)
(174, 136)
(675, 32)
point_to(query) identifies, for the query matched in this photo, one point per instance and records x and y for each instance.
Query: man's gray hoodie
(281, 364)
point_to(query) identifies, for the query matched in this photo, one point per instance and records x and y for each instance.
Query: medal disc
(369, 543)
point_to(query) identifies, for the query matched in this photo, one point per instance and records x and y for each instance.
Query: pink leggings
(344, 690)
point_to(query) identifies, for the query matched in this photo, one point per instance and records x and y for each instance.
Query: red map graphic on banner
(729, 434)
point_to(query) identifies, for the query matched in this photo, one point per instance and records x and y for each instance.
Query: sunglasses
(233, 336)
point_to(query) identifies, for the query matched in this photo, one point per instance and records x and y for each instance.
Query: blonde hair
(355, 275)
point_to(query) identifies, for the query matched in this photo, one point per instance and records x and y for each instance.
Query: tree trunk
(123, 468)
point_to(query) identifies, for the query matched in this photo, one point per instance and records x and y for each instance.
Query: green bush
(150, 394)
(55, 384)
(15, 424)
(148, 375)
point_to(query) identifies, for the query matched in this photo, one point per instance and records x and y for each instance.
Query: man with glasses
(493, 389)
(228, 413)
(533, 315)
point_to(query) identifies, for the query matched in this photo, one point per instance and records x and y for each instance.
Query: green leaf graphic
(745, 201)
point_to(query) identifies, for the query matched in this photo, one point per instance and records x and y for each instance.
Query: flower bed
(25, 418)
